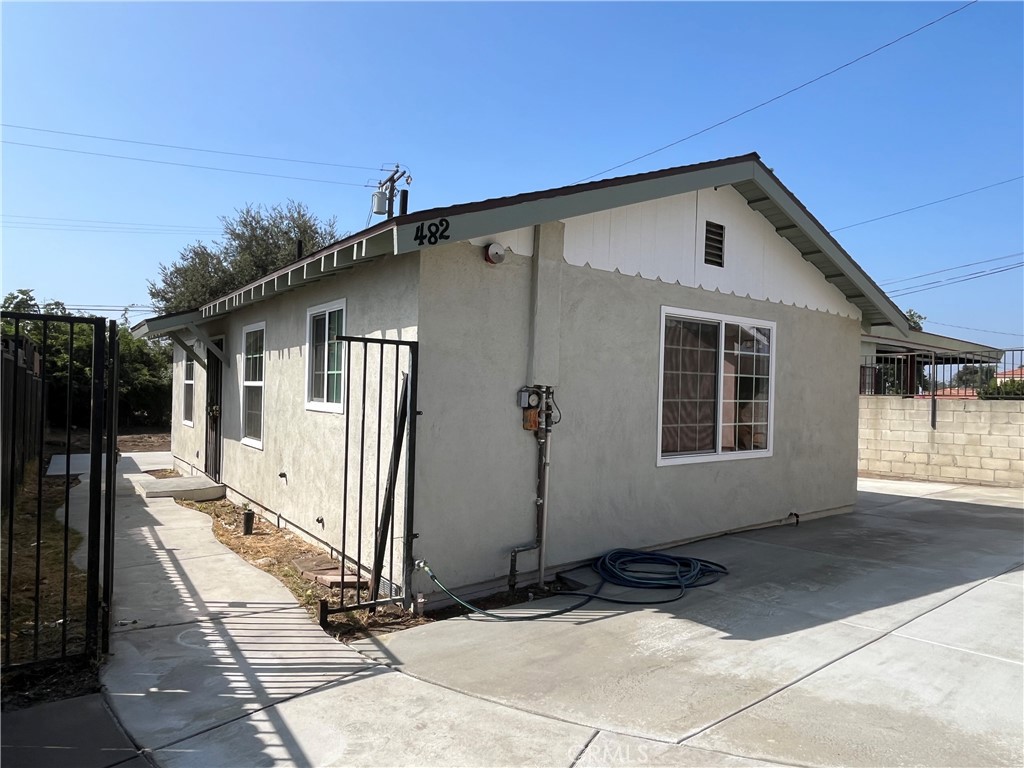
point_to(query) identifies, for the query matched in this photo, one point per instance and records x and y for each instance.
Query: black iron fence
(374, 519)
(58, 420)
(978, 375)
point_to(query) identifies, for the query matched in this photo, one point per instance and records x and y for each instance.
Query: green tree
(915, 320)
(973, 376)
(144, 385)
(257, 240)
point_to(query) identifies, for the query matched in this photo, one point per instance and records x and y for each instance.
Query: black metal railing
(979, 375)
(58, 421)
(375, 515)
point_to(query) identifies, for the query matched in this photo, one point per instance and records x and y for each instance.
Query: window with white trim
(253, 337)
(325, 367)
(717, 373)
(189, 394)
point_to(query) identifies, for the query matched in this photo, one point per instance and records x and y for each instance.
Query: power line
(950, 269)
(189, 165)
(191, 149)
(925, 205)
(979, 330)
(954, 281)
(780, 96)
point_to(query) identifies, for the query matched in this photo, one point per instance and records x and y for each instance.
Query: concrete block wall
(975, 441)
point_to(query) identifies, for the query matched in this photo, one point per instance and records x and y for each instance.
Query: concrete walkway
(889, 636)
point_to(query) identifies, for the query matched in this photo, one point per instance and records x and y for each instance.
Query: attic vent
(714, 244)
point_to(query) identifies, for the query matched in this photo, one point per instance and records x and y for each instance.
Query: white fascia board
(464, 226)
(162, 326)
(827, 246)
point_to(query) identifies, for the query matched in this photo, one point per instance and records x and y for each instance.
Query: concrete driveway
(891, 636)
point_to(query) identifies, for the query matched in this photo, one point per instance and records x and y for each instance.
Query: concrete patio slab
(896, 702)
(610, 750)
(195, 488)
(889, 636)
(994, 542)
(88, 736)
(165, 544)
(174, 681)
(634, 671)
(996, 606)
(383, 718)
(129, 463)
(827, 587)
(173, 590)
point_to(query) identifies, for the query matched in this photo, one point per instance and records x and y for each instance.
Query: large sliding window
(325, 369)
(252, 384)
(717, 374)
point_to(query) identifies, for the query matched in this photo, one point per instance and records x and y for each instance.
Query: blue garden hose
(625, 568)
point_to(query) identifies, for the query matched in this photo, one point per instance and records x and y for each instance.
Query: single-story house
(632, 362)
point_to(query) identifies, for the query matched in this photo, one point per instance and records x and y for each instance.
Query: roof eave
(864, 293)
(163, 325)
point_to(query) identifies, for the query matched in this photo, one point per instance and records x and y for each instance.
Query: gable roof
(747, 174)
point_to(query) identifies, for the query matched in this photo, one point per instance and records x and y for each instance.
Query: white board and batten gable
(664, 240)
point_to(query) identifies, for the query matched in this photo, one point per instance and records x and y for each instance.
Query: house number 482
(431, 233)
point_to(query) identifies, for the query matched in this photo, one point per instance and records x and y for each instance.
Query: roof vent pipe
(403, 202)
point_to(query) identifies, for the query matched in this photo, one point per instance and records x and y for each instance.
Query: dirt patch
(274, 549)
(131, 441)
(41, 627)
(162, 474)
(28, 687)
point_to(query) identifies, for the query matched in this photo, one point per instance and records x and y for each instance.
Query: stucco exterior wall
(476, 479)
(476, 466)
(974, 441)
(306, 445)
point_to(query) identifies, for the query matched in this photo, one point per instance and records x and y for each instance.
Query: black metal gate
(373, 523)
(59, 431)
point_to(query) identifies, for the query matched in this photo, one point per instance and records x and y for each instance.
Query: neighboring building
(1015, 373)
(697, 327)
(907, 365)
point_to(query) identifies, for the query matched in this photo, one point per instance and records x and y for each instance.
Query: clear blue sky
(480, 100)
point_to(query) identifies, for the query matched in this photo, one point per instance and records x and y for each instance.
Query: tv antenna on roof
(384, 197)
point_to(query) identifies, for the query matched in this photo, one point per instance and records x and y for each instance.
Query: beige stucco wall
(306, 445)
(974, 441)
(477, 466)
(598, 343)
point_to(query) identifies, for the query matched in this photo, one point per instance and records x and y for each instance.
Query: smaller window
(325, 368)
(188, 397)
(714, 244)
(252, 384)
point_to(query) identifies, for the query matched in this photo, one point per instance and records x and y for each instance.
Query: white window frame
(251, 441)
(184, 388)
(718, 455)
(323, 405)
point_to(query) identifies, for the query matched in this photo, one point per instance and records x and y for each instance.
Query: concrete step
(195, 488)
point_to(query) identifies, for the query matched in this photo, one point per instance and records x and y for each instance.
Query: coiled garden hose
(628, 568)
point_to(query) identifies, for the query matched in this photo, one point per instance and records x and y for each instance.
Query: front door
(213, 412)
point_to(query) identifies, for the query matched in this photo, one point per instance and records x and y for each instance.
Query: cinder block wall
(975, 441)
